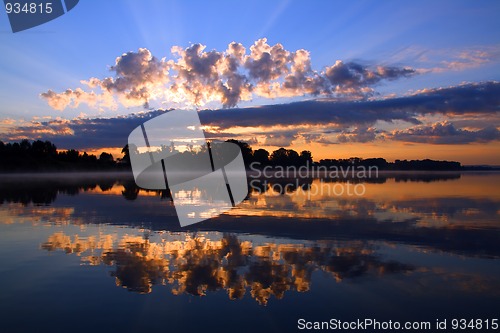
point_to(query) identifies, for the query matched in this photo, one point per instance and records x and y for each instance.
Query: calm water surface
(82, 253)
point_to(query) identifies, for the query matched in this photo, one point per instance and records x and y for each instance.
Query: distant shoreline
(43, 157)
(128, 174)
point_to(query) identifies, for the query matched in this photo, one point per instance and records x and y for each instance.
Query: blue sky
(445, 42)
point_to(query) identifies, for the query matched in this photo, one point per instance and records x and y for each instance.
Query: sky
(391, 79)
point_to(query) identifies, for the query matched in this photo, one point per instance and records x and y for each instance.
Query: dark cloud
(83, 133)
(444, 133)
(344, 121)
(479, 98)
(356, 75)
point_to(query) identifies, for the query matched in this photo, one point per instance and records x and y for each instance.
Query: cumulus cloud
(195, 77)
(200, 77)
(73, 98)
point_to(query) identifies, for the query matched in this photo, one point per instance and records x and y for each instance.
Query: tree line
(289, 157)
(44, 156)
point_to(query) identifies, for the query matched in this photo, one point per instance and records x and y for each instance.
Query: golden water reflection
(197, 264)
(467, 201)
(423, 235)
(470, 201)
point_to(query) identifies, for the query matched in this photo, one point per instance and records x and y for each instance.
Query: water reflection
(409, 248)
(197, 264)
(457, 215)
(44, 189)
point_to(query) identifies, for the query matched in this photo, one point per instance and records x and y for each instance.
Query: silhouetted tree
(130, 190)
(126, 155)
(285, 157)
(293, 157)
(306, 158)
(88, 159)
(246, 151)
(71, 155)
(43, 155)
(44, 150)
(261, 156)
(106, 158)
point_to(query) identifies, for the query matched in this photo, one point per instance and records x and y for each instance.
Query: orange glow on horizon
(470, 154)
(115, 151)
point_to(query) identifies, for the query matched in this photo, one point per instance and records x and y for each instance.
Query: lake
(92, 252)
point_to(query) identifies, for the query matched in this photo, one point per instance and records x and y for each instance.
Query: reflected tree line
(44, 156)
(197, 265)
(44, 192)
